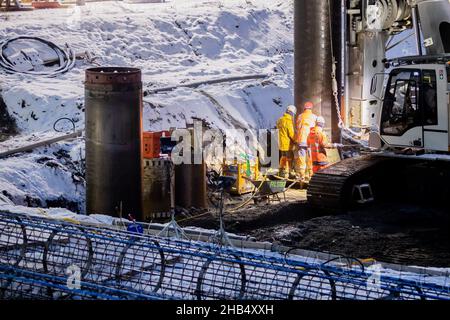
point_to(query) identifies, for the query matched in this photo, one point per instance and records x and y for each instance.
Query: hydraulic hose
(245, 202)
(66, 56)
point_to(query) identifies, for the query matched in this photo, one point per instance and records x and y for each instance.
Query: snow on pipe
(39, 258)
(66, 57)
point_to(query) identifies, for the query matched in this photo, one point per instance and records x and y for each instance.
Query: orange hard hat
(308, 105)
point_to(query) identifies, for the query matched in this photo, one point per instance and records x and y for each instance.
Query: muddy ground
(394, 232)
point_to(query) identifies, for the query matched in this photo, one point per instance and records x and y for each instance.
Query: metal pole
(313, 57)
(338, 41)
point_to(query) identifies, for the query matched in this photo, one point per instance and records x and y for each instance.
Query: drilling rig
(395, 110)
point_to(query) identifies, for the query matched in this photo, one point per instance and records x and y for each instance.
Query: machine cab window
(444, 30)
(429, 98)
(410, 101)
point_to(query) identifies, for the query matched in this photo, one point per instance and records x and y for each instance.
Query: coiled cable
(66, 56)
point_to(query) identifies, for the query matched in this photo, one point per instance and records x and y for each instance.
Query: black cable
(349, 261)
(60, 119)
(66, 57)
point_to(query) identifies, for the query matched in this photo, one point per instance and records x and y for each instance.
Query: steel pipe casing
(313, 57)
(114, 141)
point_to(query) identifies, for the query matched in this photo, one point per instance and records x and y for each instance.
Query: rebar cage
(43, 258)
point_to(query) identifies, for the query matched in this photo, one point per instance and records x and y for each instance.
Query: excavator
(395, 110)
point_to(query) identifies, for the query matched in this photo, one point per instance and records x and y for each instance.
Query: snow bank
(48, 177)
(173, 43)
(58, 214)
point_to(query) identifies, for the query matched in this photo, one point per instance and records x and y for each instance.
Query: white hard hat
(292, 109)
(320, 121)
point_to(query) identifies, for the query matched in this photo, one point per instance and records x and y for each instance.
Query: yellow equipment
(243, 172)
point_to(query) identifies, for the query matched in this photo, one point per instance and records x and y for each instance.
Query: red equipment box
(152, 143)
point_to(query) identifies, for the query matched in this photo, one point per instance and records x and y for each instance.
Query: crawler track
(330, 189)
(409, 179)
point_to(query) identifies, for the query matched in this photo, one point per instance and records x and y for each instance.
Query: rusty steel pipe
(312, 51)
(114, 141)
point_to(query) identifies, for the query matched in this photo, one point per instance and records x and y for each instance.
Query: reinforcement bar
(43, 258)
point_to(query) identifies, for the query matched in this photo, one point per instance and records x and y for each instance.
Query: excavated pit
(389, 232)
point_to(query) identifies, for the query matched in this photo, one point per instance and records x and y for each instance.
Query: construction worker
(286, 140)
(317, 144)
(305, 122)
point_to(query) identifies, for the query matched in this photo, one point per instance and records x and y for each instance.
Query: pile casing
(190, 186)
(158, 188)
(113, 98)
(313, 53)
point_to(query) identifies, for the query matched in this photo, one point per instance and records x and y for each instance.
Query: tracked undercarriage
(374, 177)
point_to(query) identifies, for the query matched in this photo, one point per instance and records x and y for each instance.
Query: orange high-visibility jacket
(285, 126)
(305, 122)
(317, 142)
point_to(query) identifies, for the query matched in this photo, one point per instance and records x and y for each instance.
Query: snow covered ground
(173, 43)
